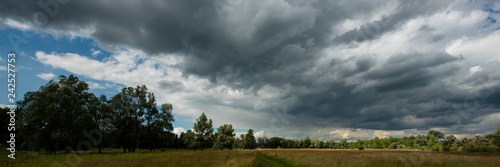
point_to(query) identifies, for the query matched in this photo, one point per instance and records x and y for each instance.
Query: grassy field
(259, 157)
(327, 157)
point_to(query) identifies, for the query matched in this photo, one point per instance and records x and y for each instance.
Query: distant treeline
(434, 140)
(64, 116)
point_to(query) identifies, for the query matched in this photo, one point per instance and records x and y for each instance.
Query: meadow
(257, 157)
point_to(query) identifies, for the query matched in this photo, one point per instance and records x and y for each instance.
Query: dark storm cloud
(249, 44)
(409, 71)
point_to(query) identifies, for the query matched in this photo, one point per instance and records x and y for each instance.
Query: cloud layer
(293, 66)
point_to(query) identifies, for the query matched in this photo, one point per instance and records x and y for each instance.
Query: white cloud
(18, 25)
(95, 52)
(94, 85)
(349, 134)
(477, 50)
(385, 133)
(179, 130)
(46, 76)
(475, 69)
(260, 134)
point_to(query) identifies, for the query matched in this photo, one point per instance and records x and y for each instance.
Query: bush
(361, 147)
(479, 148)
(447, 148)
(436, 147)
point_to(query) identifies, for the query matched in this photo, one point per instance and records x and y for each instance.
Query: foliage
(307, 143)
(203, 131)
(62, 115)
(438, 135)
(249, 140)
(224, 137)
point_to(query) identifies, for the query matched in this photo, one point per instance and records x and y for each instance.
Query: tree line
(64, 116)
(434, 140)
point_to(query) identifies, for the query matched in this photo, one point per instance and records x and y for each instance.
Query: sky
(287, 68)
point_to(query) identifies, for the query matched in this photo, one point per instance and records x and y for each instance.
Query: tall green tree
(204, 132)
(101, 115)
(433, 144)
(330, 143)
(437, 134)
(224, 137)
(124, 122)
(343, 144)
(132, 107)
(55, 115)
(157, 122)
(307, 143)
(249, 140)
(496, 138)
(188, 139)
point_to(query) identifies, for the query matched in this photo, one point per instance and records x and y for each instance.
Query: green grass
(139, 158)
(269, 160)
(259, 157)
(328, 157)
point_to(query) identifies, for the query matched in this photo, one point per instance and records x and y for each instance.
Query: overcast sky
(289, 68)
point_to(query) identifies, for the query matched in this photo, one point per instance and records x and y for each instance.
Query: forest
(63, 116)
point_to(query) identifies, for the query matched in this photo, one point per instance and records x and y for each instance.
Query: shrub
(446, 148)
(361, 147)
(436, 147)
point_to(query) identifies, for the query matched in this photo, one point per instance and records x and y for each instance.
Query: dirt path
(269, 160)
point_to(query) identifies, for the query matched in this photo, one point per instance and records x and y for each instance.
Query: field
(259, 157)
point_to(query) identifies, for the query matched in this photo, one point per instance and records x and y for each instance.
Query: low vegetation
(256, 157)
(375, 157)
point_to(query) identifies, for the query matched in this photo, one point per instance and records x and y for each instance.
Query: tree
(290, 143)
(307, 143)
(262, 142)
(224, 137)
(158, 122)
(343, 144)
(188, 139)
(249, 140)
(129, 108)
(437, 134)
(330, 143)
(102, 118)
(495, 138)
(5, 120)
(204, 131)
(316, 143)
(55, 115)
(419, 142)
(275, 142)
(433, 144)
(238, 143)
